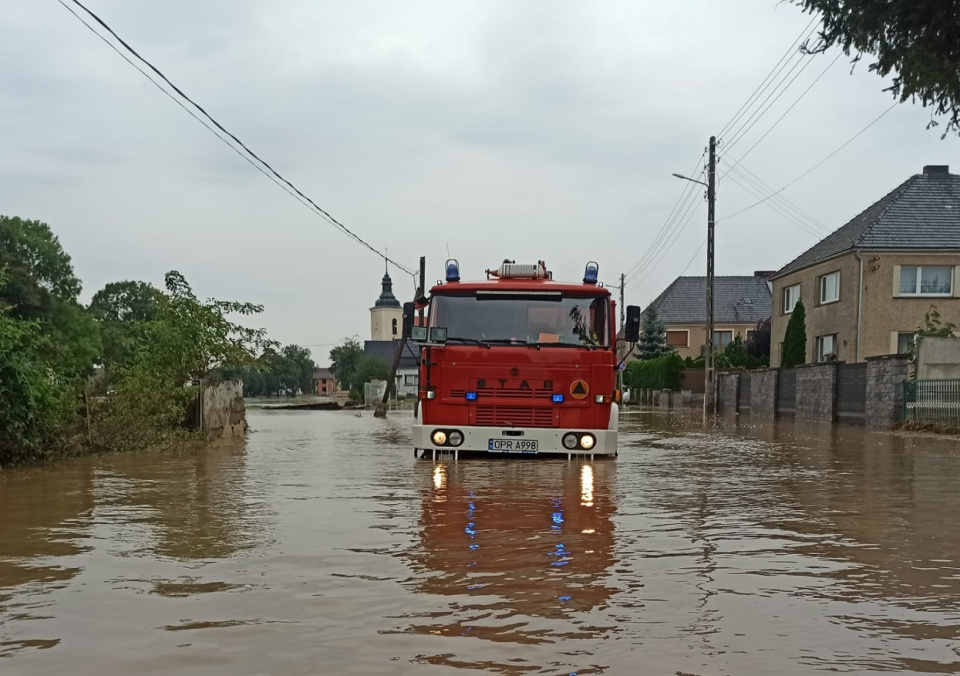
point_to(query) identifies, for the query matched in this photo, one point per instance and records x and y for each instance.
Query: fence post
(886, 379)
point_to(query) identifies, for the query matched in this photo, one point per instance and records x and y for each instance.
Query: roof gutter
(859, 301)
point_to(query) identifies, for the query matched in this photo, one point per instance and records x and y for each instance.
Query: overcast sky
(526, 130)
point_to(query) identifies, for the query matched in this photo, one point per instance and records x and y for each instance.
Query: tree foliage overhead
(917, 41)
(795, 338)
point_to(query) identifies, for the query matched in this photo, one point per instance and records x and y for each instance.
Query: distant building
(739, 303)
(386, 329)
(867, 286)
(325, 383)
(386, 315)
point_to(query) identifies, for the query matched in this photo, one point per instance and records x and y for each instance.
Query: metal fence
(852, 392)
(932, 401)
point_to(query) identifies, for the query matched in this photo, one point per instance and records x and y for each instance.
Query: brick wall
(817, 393)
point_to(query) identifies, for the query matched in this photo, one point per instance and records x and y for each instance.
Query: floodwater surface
(321, 546)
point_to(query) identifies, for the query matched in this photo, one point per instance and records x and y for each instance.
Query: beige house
(867, 287)
(739, 303)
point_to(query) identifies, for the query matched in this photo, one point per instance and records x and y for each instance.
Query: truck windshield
(547, 319)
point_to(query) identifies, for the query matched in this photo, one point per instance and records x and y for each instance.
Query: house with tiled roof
(867, 286)
(739, 303)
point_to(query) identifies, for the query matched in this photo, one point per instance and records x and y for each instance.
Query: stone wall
(817, 393)
(223, 411)
(885, 376)
(728, 387)
(763, 392)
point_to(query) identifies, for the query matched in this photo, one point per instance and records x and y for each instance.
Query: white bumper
(548, 440)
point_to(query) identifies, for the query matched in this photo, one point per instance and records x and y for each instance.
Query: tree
(344, 359)
(758, 342)
(368, 368)
(188, 340)
(933, 327)
(918, 42)
(121, 308)
(795, 339)
(653, 340)
(33, 405)
(301, 367)
(40, 286)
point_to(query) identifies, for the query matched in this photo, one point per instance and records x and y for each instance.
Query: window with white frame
(410, 379)
(830, 288)
(826, 347)
(791, 295)
(904, 342)
(926, 280)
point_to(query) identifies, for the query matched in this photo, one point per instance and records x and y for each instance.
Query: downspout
(859, 303)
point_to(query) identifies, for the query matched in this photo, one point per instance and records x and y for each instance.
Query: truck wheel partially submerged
(518, 363)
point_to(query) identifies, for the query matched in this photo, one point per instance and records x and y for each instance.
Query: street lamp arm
(692, 180)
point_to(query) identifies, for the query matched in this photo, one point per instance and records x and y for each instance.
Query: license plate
(512, 445)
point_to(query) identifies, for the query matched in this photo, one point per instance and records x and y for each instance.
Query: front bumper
(477, 439)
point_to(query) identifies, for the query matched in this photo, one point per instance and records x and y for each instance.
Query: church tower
(386, 315)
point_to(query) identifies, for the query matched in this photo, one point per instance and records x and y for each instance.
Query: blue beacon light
(453, 270)
(558, 399)
(591, 273)
(470, 396)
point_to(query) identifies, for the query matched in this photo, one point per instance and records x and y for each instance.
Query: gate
(852, 392)
(787, 393)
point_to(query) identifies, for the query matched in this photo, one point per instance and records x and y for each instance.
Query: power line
(323, 213)
(787, 111)
(780, 210)
(763, 188)
(792, 50)
(779, 91)
(814, 167)
(689, 216)
(685, 194)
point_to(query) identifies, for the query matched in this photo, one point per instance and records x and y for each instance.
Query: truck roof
(452, 288)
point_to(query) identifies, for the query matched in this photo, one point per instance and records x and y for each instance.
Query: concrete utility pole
(708, 379)
(708, 395)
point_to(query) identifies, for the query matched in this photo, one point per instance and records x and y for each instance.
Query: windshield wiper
(558, 344)
(466, 341)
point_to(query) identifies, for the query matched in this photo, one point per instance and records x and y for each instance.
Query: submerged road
(321, 546)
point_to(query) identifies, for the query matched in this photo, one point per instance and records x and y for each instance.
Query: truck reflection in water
(525, 558)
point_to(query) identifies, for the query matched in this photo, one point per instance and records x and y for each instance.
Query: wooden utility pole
(708, 395)
(381, 410)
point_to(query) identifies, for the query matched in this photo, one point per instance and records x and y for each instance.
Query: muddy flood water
(321, 546)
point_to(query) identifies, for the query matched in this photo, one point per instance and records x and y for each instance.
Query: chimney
(765, 274)
(936, 170)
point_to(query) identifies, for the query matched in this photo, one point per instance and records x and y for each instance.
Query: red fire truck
(518, 363)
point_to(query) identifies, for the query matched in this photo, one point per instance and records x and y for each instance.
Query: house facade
(867, 287)
(739, 303)
(325, 383)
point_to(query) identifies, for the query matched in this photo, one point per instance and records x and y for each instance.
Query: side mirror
(631, 329)
(409, 310)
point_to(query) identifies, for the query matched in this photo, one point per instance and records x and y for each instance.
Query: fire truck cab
(518, 363)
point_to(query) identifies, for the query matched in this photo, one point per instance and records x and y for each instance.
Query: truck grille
(515, 416)
(506, 393)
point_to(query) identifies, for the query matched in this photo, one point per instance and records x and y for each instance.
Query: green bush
(662, 373)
